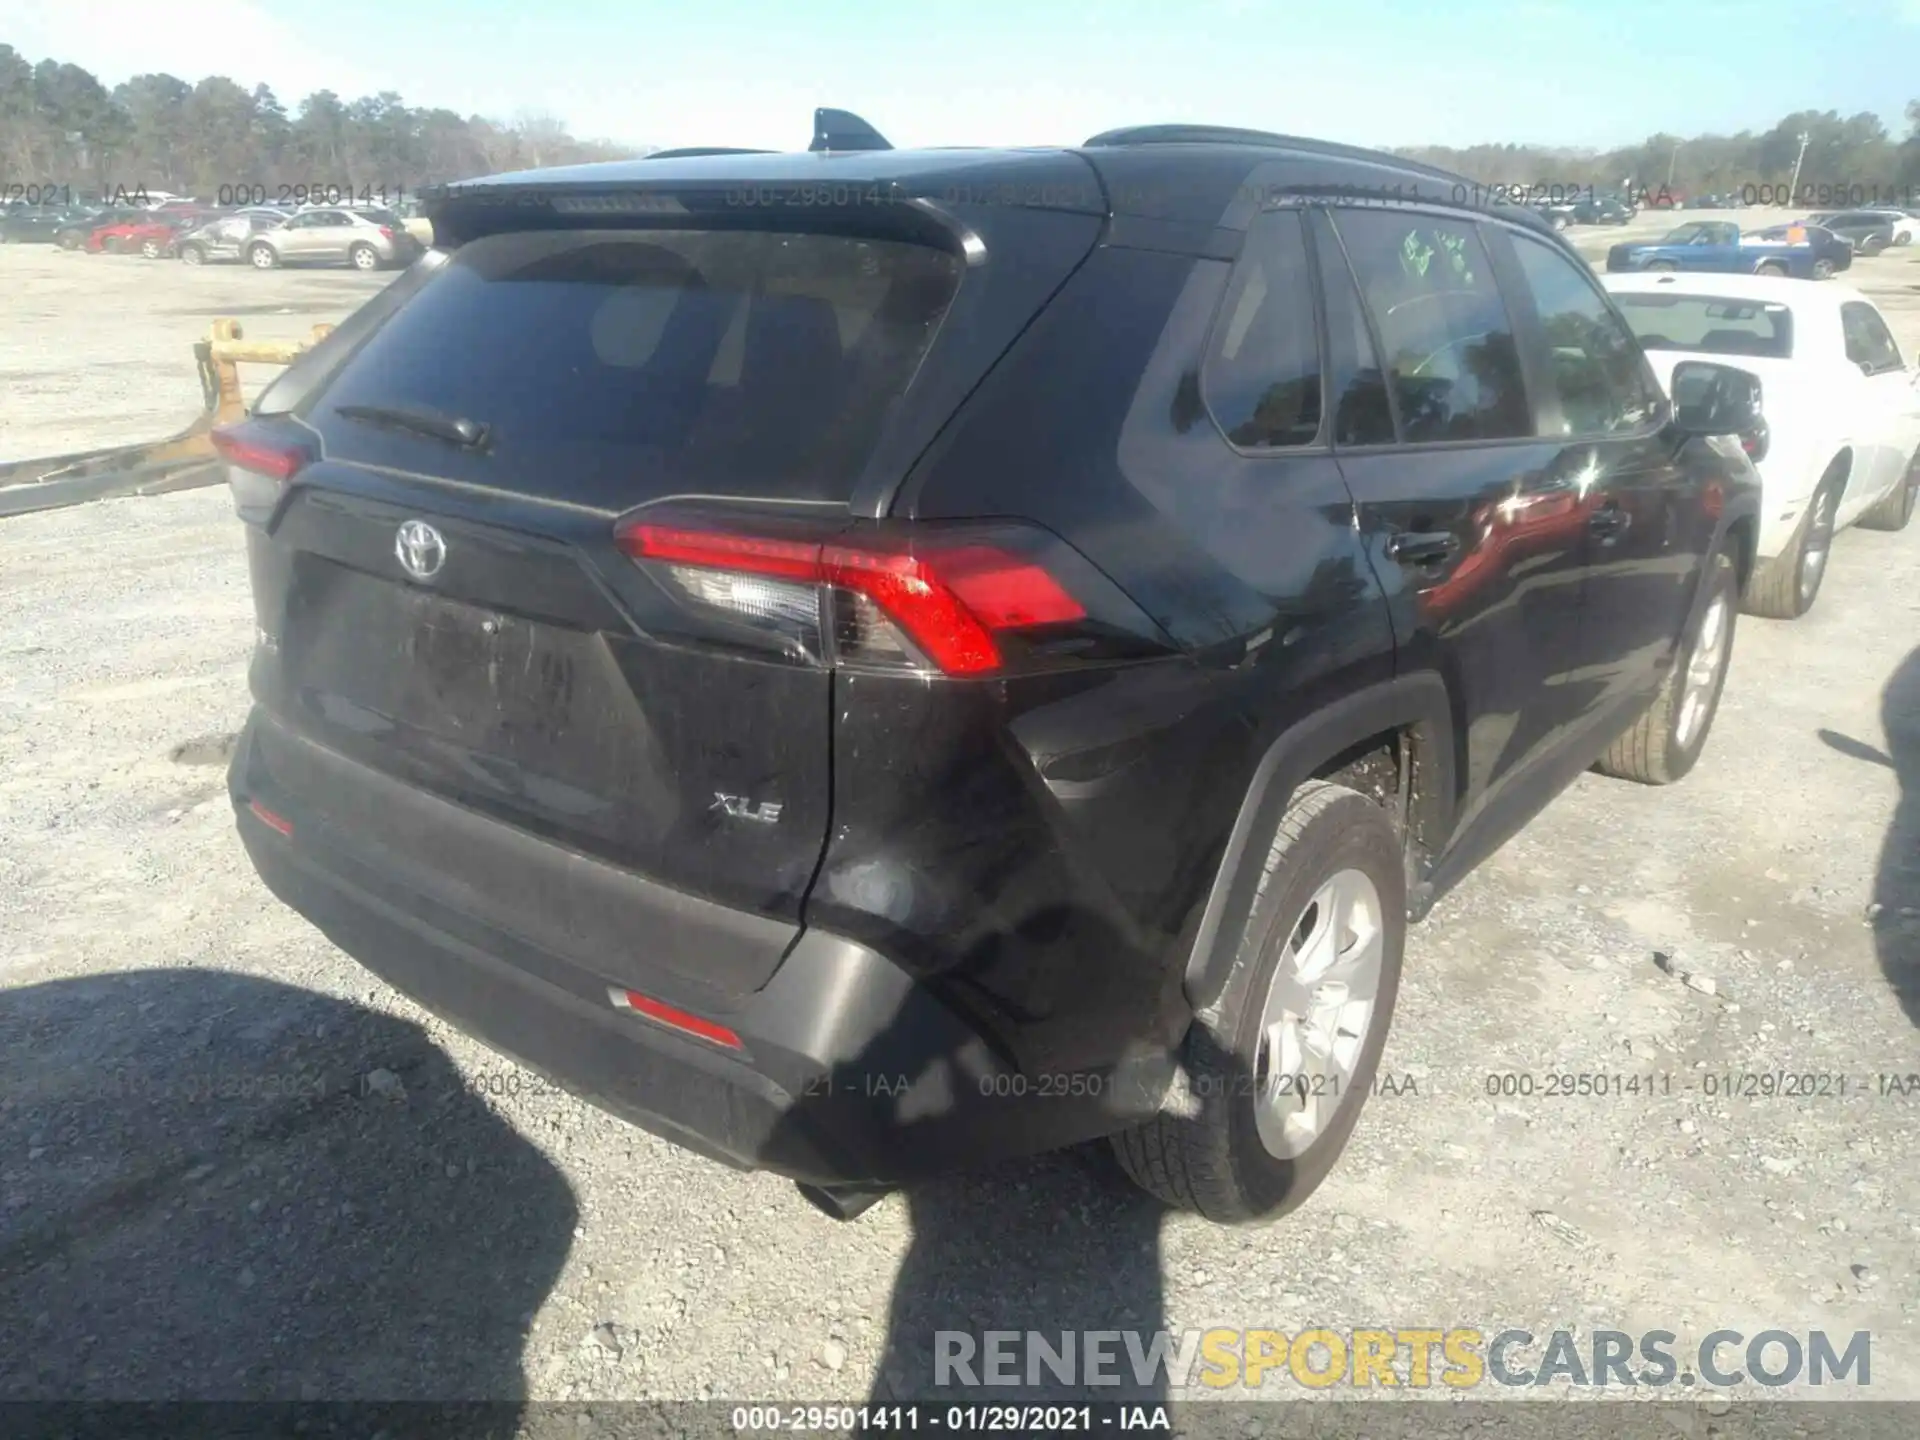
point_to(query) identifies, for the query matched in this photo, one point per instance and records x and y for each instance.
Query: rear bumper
(847, 1071)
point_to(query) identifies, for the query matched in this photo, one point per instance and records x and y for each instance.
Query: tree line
(59, 126)
(1854, 155)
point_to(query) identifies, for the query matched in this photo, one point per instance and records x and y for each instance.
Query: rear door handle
(1422, 547)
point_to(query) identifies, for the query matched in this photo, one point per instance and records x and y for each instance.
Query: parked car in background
(117, 237)
(1906, 227)
(1867, 231)
(151, 236)
(366, 240)
(1603, 210)
(1831, 253)
(1718, 245)
(413, 215)
(36, 224)
(74, 233)
(1840, 403)
(670, 671)
(226, 238)
(1557, 213)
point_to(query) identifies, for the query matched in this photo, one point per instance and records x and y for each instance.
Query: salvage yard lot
(97, 350)
(233, 1164)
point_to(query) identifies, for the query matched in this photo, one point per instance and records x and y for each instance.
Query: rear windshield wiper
(454, 429)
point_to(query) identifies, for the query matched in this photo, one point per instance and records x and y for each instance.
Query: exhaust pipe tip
(843, 1202)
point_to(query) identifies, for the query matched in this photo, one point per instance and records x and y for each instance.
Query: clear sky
(986, 72)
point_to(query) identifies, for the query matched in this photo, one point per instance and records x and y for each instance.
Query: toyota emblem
(421, 549)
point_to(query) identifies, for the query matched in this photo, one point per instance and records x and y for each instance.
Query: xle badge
(764, 812)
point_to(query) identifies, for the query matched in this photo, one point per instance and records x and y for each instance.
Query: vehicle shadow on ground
(208, 1197)
(1896, 888)
(1056, 1246)
(1063, 1243)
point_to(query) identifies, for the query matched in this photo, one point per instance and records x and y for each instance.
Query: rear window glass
(1708, 325)
(607, 364)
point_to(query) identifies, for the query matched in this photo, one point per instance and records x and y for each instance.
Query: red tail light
(858, 602)
(238, 447)
(386, 232)
(260, 462)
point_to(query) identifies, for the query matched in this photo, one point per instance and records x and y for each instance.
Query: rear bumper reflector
(269, 819)
(673, 1019)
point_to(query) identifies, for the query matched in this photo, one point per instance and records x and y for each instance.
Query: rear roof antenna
(844, 130)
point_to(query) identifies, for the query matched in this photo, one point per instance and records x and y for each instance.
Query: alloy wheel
(1813, 558)
(1704, 664)
(1319, 1011)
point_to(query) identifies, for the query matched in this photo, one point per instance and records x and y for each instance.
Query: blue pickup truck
(1805, 252)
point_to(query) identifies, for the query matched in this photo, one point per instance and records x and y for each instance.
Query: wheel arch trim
(1418, 702)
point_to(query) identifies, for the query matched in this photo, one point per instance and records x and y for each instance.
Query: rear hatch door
(455, 613)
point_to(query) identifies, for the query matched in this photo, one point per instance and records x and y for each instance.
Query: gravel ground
(233, 1164)
(98, 349)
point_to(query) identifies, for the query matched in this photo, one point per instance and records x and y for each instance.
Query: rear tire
(1663, 744)
(1823, 269)
(192, 255)
(1774, 267)
(151, 249)
(261, 257)
(1238, 1142)
(364, 257)
(1893, 510)
(1662, 266)
(1785, 587)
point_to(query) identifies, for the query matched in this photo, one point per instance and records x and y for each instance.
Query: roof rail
(1231, 135)
(689, 151)
(844, 130)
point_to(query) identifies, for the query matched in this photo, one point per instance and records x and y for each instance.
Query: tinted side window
(1594, 364)
(1261, 377)
(1450, 353)
(1868, 342)
(1357, 390)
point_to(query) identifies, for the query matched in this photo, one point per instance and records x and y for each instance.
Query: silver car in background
(364, 239)
(226, 238)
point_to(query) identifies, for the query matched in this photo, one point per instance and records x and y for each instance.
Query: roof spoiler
(844, 130)
(687, 152)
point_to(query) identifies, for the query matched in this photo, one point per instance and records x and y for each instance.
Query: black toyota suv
(869, 661)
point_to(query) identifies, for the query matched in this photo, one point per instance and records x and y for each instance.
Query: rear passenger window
(1593, 363)
(1357, 390)
(1261, 378)
(1450, 353)
(1870, 345)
